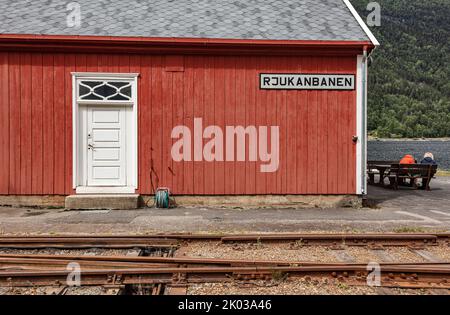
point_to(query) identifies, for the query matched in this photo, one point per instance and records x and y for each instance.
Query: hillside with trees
(409, 83)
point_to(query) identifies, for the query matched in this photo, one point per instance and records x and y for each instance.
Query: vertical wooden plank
(230, 120)
(313, 133)
(166, 127)
(148, 178)
(59, 134)
(347, 142)
(353, 132)
(250, 86)
(70, 66)
(209, 119)
(256, 113)
(271, 120)
(189, 122)
(333, 133)
(278, 107)
(156, 124)
(322, 163)
(81, 62)
(48, 124)
(113, 61)
(291, 127)
(92, 62)
(282, 173)
(199, 77)
(240, 104)
(302, 133)
(15, 122)
(349, 66)
(285, 167)
(308, 155)
(25, 125)
(4, 123)
(103, 63)
(124, 64)
(342, 156)
(178, 115)
(135, 63)
(253, 115)
(219, 111)
(37, 124)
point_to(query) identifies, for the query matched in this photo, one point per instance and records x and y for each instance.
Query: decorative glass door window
(96, 90)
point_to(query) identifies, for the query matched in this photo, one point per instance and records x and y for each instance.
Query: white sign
(307, 81)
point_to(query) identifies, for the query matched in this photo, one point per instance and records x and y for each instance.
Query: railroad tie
(428, 256)
(383, 255)
(343, 256)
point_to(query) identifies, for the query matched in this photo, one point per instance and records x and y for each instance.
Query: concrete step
(100, 202)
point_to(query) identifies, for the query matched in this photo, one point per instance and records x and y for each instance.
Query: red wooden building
(206, 98)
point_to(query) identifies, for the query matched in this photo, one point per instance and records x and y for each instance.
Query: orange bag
(408, 159)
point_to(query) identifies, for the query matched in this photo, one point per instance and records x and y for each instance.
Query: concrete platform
(405, 210)
(228, 202)
(102, 202)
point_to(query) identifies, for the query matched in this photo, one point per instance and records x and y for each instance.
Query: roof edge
(176, 45)
(179, 40)
(363, 25)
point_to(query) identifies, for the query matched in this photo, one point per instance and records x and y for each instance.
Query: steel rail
(85, 242)
(49, 263)
(392, 276)
(215, 236)
(171, 240)
(145, 261)
(189, 236)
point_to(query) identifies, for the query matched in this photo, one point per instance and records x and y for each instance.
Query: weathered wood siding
(316, 127)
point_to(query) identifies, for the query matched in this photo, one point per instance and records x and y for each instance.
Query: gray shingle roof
(229, 19)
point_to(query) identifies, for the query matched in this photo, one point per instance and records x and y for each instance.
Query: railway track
(25, 270)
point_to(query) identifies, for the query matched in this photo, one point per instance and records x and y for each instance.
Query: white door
(106, 146)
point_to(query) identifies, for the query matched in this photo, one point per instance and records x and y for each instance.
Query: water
(395, 150)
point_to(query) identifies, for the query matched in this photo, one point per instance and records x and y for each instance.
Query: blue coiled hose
(162, 198)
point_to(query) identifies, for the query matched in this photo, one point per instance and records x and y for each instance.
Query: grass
(443, 173)
(279, 275)
(408, 229)
(342, 286)
(259, 244)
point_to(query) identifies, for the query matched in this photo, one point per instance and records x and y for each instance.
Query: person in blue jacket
(428, 159)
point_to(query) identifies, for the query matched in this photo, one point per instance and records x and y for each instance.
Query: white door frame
(79, 177)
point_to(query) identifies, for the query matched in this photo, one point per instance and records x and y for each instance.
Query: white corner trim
(135, 149)
(75, 143)
(359, 124)
(361, 23)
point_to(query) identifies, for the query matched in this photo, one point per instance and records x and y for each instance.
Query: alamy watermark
(74, 277)
(74, 14)
(374, 276)
(374, 17)
(228, 145)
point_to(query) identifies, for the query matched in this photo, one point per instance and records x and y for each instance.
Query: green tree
(409, 80)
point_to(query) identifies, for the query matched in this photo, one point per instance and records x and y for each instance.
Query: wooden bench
(378, 168)
(398, 173)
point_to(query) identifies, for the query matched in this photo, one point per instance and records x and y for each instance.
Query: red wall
(316, 127)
